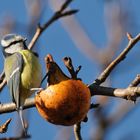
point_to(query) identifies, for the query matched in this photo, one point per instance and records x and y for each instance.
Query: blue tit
(22, 70)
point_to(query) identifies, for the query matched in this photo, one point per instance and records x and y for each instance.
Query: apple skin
(65, 103)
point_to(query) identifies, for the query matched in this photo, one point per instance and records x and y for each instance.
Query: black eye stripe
(14, 42)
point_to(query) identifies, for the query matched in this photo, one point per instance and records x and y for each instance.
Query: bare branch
(78, 69)
(129, 36)
(10, 107)
(133, 92)
(60, 13)
(68, 13)
(3, 83)
(102, 77)
(94, 106)
(130, 93)
(65, 5)
(2, 76)
(2, 80)
(135, 82)
(4, 127)
(69, 65)
(77, 133)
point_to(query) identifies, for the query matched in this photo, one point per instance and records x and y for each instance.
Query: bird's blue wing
(13, 72)
(15, 78)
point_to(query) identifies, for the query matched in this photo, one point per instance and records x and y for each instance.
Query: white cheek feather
(14, 48)
(4, 43)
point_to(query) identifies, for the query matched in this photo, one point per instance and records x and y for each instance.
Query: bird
(22, 70)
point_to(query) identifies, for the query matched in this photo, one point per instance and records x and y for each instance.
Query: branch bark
(11, 107)
(4, 127)
(77, 131)
(135, 82)
(123, 93)
(58, 14)
(69, 66)
(3, 83)
(103, 76)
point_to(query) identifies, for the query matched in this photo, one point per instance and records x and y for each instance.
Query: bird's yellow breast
(31, 74)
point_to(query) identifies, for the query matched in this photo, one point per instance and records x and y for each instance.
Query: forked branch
(57, 15)
(103, 76)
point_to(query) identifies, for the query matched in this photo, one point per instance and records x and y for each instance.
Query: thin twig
(78, 69)
(135, 82)
(69, 66)
(102, 77)
(94, 106)
(10, 107)
(77, 131)
(2, 76)
(129, 36)
(2, 80)
(59, 14)
(4, 127)
(2, 84)
(65, 5)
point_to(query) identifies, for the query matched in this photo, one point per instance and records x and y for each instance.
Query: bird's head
(12, 43)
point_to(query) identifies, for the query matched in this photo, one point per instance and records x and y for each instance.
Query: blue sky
(56, 40)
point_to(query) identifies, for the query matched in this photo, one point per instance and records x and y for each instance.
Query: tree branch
(58, 14)
(135, 82)
(130, 93)
(94, 89)
(4, 127)
(3, 83)
(77, 131)
(69, 66)
(10, 107)
(103, 76)
(2, 76)
(2, 80)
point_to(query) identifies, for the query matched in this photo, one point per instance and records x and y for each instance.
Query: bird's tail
(20, 112)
